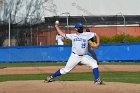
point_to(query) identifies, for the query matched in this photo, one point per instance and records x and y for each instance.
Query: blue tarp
(106, 52)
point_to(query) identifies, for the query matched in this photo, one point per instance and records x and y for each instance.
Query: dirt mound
(36, 86)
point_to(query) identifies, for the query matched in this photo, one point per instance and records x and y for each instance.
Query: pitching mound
(67, 87)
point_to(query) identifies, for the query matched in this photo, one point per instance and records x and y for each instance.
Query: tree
(23, 11)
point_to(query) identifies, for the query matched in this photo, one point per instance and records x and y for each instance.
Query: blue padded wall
(106, 52)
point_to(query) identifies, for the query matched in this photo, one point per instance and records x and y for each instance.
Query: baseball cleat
(98, 82)
(48, 79)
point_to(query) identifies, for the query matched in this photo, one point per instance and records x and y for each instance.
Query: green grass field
(117, 76)
(108, 76)
(29, 64)
(32, 64)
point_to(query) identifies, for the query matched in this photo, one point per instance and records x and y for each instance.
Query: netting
(35, 32)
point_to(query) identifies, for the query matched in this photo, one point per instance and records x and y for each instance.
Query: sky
(95, 7)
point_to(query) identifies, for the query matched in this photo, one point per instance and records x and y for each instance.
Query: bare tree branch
(33, 10)
(18, 6)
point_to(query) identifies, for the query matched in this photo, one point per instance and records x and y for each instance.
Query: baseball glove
(93, 44)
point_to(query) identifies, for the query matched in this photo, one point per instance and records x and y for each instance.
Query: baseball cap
(78, 25)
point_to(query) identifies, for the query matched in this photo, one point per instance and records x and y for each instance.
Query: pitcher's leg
(72, 62)
(89, 61)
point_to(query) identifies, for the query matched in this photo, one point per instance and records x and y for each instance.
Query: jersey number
(83, 45)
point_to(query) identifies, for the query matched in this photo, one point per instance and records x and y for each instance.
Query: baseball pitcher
(79, 52)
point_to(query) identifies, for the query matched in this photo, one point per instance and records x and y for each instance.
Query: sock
(57, 73)
(96, 73)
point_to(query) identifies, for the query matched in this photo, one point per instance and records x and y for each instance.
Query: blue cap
(78, 25)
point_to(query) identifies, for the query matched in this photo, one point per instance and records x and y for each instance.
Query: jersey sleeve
(91, 35)
(69, 36)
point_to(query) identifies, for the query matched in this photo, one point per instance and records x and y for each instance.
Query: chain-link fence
(26, 32)
(25, 35)
(40, 33)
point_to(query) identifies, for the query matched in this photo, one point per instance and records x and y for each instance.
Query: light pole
(67, 18)
(9, 36)
(31, 32)
(30, 19)
(124, 21)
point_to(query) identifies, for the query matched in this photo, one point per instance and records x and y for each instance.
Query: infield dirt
(38, 86)
(51, 69)
(67, 87)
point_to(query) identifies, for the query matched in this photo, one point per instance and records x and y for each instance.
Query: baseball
(57, 22)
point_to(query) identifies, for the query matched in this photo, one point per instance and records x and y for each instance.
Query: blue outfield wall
(119, 52)
(34, 53)
(106, 52)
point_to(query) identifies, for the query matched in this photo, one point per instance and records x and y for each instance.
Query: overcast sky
(96, 7)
